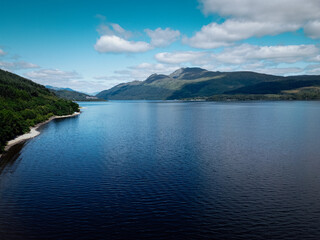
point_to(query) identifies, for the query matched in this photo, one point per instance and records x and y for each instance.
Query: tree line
(24, 104)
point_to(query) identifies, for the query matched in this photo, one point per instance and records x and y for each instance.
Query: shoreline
(33, 132)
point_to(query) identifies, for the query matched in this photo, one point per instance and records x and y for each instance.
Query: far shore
(33, 132)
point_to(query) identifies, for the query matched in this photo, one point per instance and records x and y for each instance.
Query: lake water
(167, 170)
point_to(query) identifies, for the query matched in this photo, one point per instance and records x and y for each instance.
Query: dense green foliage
(24, 103)
(276, 87)
(189, 83)
(301, 95)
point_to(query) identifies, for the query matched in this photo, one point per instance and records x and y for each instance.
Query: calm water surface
(167, 170)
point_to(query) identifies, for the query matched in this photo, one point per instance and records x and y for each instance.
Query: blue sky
(93, 45)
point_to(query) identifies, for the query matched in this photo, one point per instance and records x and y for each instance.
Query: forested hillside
(24, 103)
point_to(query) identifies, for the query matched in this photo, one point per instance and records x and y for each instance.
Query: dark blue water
(168, 170)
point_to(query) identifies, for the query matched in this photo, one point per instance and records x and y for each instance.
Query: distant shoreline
(33, 132)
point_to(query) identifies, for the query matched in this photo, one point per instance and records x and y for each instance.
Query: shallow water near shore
(167, 170)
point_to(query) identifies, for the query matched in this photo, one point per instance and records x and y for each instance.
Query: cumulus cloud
(115, 44)
(115, 39)
(313, 69)
(312, 29)
(284, 11)
(216, 35)
(113, 29)
(71, 79)
(47, 75)
(12, 63)
(280, 71)
(162, 37)
(255, 18)
(244, 54)
(17, 65)
(315, 59)
(278, 54)
(179, 57)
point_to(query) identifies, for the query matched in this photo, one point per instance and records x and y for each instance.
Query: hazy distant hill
(57, 88)
(24, 103)
(200, 83)
(70, 94)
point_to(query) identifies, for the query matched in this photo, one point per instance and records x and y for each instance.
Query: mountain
(188, 83)
(24, 103)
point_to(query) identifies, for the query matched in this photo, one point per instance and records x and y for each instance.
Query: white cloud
(277, 11)
(278, 54)
(71, 79)
(243, 54)
(179, 57)
(313, 69)
(216, 35)
(312, 29)
(255, 18)
(162, 37)
(118, 29)
(280, 71)
(114, 39)
(315, 59)
(111, 29)
(47, 75)
(17, 65)
(115, 44)
(2, 53)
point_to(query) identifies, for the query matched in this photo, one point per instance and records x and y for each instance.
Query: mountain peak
(155, 77)
(187, 72)
(177, 73)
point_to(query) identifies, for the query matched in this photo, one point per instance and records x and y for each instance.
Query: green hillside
(24, 103)
(277, 87)
(184, 83)
(190, 83)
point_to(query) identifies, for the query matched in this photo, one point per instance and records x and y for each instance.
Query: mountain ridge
(186, 83)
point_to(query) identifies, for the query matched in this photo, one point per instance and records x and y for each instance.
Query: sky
(94, 45)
